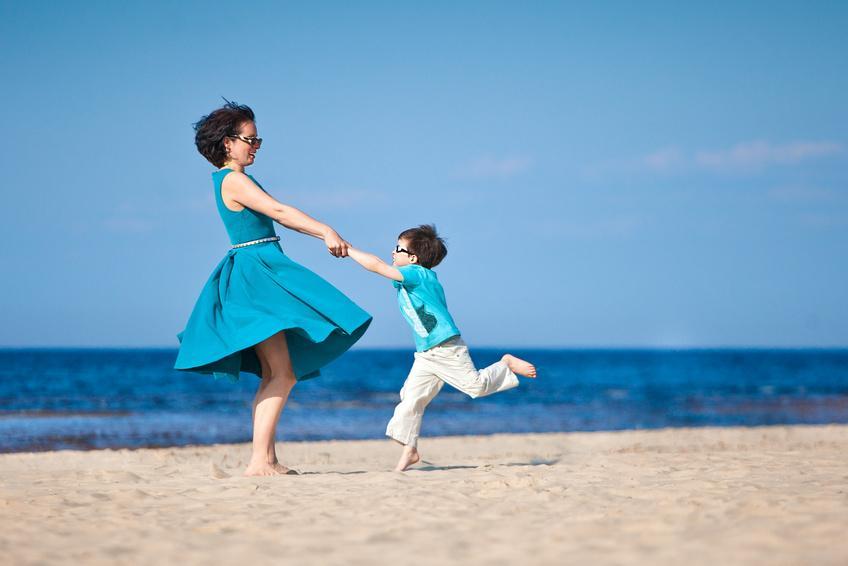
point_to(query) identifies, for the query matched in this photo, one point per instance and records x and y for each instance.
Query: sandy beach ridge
(776, 495)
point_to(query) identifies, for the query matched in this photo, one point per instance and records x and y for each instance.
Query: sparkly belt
(259, 241)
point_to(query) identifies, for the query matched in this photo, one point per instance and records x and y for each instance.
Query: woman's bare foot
(408, 457)
(519, 366)
(266, 468)
(262, 469)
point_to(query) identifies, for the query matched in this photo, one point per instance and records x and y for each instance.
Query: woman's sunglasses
(253, 140)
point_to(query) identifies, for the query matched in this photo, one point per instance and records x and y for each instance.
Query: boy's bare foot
(519, 366)
(408, 457)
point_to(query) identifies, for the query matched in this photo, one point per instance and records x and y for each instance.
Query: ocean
(109, 398)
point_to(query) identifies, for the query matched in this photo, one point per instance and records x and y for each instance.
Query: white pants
(448, 363)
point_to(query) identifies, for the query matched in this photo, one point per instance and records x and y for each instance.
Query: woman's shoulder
(225, 171)
(231, 175)
(232, 180)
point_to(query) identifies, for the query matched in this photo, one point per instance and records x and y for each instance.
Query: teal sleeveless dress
(257, 291)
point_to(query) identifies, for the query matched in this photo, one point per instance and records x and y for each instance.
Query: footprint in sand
(120, 476)
(101, 496)
(218, 473)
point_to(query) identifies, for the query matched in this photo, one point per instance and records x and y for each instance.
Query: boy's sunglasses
(400, 250)
(248, 140)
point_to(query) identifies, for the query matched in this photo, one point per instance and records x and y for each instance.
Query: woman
(260, 312)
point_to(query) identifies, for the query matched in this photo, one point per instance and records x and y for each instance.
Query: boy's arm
(375, 264)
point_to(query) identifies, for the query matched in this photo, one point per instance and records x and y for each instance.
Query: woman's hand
(335, 244)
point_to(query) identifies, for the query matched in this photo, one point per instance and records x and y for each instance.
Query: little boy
(441, 355)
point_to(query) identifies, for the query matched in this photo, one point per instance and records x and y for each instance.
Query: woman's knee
(278, 377)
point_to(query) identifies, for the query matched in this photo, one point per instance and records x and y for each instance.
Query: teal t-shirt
(422, 302)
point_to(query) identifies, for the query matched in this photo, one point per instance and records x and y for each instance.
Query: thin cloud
(760, 154)
(823, 220)
(488, 167)
(664, 160)
(741, 157)
(803, 194)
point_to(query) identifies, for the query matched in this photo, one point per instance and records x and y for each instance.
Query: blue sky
(607, 174)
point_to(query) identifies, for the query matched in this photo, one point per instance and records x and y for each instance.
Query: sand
(772, 495)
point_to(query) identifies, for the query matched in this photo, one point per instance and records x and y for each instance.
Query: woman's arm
(240, 188)
(375, 264)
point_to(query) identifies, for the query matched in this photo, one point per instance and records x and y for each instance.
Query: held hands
(335, 244)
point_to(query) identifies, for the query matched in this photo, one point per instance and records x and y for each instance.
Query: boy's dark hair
(211, 130)
(425, 243)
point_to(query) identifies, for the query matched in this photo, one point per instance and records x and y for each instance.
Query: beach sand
(770, 495)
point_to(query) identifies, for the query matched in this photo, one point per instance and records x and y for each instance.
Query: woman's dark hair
(425, 243)
(211, 130)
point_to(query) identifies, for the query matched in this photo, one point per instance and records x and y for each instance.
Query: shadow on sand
(431, 467)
